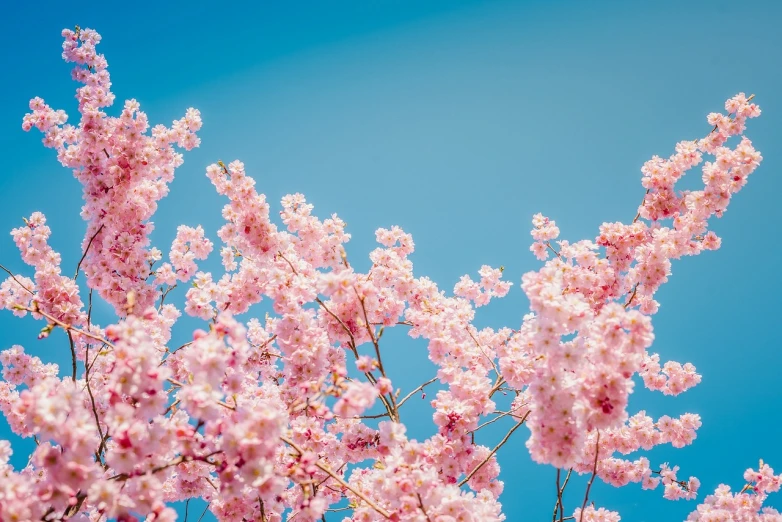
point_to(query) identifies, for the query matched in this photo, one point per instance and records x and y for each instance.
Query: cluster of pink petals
(124, 172)
(271, 418)
(746, 505)
(53, 293)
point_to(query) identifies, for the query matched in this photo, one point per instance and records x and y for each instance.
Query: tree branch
(591, 479)
(491, 454)
(323, 467)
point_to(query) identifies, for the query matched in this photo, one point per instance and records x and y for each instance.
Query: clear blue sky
(457, 121)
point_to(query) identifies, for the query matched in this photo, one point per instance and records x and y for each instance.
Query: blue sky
(457, 121)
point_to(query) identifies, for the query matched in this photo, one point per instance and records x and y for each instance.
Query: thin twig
(87, 367)
(642, 204)
(492, 452)
(78, 265)
(221, 403)
(591, 479)
(420, 388)
(559, 503)
(393, 411)
(328, 470)
(73, 355)
(62, 325)
(483, 352)
(206, 508)
(89, 312)
(632, 296)
(15, 279)
(497, 385)
(421, 505)
(498, 417)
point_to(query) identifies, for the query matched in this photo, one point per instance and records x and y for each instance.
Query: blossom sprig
(275, 417)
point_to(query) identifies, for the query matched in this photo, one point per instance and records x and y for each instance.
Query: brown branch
(591, 479)
(344, 326)
(420, 388)
(632, 296)
(421, 505)
(73, 355)
(492, 452)
(498, 417)
(221, 403)
(176, 462)
(497, 385)
(99, 451)
(206, 508)
(163, 295)
(559, 503)
(642, 204)
(548, 244)
(484, 353)
(17, 281)
(62, 325)
(78, 265)
(392, 407)
(323, 467)
(352, 342)
(89, 312)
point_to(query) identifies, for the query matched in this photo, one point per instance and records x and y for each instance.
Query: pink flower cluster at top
(123, 170)
(274, 419)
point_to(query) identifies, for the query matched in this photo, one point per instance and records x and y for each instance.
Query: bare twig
(78, 265)
(483, 352)
(62, 325)
(559, 503)
(420, 388)
(421, 505)
(492, 452)
(498, 417)
(87, 368)
(221, 403)
(73, 355)
(632, 296)
(15, 279)
(323, 467)
(642, 204)
(591, 479)
(393, 410)
(206, 508)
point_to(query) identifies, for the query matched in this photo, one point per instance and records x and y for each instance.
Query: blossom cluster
(275, 418)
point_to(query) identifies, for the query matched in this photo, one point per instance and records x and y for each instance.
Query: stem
(591, 479)
(64, 326)
(78, 266)
(323, 467)
(15, 279)
(491, 454)
(498, 417)
(427, 383)
(642, 202)
(221, 403)
(73, 355)
(393, 411)
(421, 505)
(484, 353)
(632, 296)
(92, 401)
(206, 508)
(559, 503)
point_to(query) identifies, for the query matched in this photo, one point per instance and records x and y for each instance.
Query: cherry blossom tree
(273, 419)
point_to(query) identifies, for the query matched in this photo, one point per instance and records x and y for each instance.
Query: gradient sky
(457, 121)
